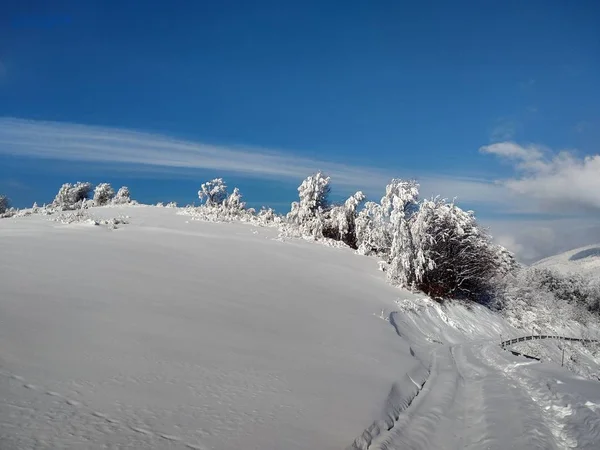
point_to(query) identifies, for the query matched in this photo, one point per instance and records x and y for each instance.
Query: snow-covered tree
(220, 207)
(213, 192)
(122, 196)
(372, 230)
(543, 299)
(308, 213)
(399, 204)
(232, 207)
(267, 215)
(234, 201)
(341, 220)
(72, 196)
(452, 255)
(4, 204)
(103, 194)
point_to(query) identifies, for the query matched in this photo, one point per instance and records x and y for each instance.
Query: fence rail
(534, 337)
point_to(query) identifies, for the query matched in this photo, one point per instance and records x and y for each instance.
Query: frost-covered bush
(4, 204)
(430, 245)
(218, 206)
(72, 196)
(113, 223)
(578, 289)
(103, 194)
(453, 256)
(399, 205)
(81, 216)
(373, 236)
(267, 216)
(77, 216)
(233, 204)
(308, 214)
(340, 224)
(213, 192)
(544, 299)
(122, 196)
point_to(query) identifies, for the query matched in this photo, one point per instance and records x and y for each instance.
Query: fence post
(562, 363)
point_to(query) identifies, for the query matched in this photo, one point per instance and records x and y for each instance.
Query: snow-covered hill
(584, 260)
(156, 331)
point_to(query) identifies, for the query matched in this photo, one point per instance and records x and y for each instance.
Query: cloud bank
(554, 181)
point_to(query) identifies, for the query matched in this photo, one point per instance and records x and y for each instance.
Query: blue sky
(365, 90)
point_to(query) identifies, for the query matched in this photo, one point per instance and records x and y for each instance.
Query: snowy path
(468, 404)
(478, 396)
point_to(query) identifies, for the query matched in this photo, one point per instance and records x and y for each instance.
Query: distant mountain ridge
(583, 260)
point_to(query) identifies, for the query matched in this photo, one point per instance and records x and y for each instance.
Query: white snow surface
(205, 332)
(160, 332)
(584, 260)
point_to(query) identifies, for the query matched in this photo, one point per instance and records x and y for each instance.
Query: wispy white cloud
(155, 152)
(554, 181)
(515, 152)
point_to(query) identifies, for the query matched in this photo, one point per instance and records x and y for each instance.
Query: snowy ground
(168, 333)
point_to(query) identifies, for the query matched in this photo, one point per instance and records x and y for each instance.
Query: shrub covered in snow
(213, 192)
(267, 216)
(4, 204)
(308, 214)
(451, 255)
(544, 299)
(103, 194)
(373, 234)
(431, 245)
(340, 221)
(218, 206)
(122, 196)
(399, 205)
(72, 196)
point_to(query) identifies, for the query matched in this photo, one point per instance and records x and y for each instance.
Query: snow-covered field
(170, 333)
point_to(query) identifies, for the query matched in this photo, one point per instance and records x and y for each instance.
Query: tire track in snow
(401, 396)
(86, 410)
(414, 427)
(489, 395)
(556, 409)
(399, 399)
(460, 403)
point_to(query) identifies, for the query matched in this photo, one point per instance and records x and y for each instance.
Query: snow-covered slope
(171, 333)
(584, 260)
